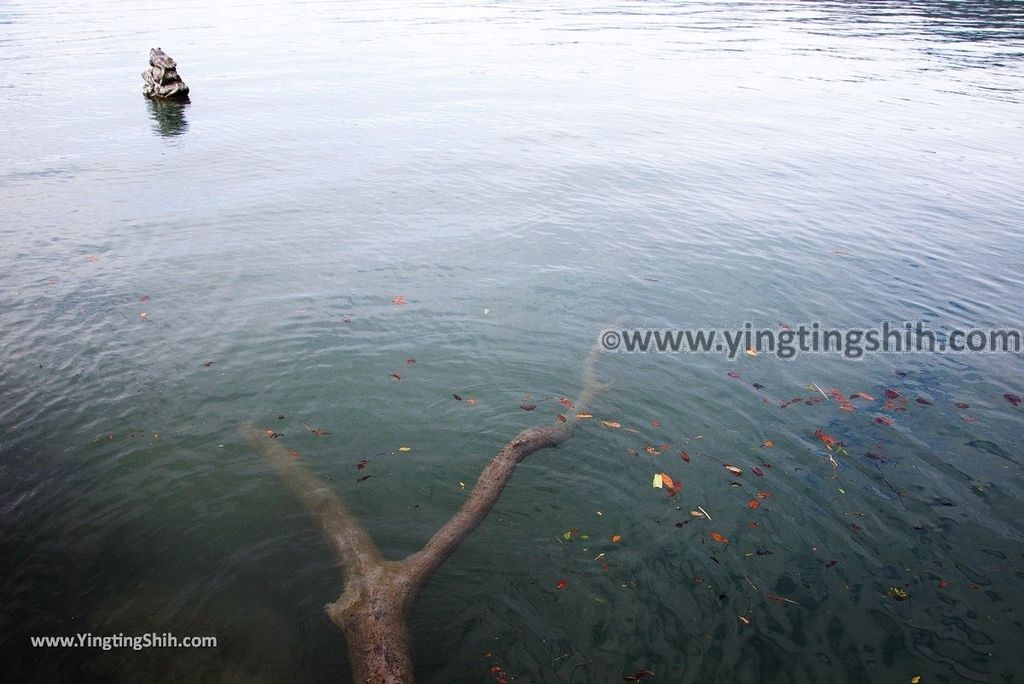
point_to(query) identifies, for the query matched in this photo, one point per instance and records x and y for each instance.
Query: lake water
(526, 175)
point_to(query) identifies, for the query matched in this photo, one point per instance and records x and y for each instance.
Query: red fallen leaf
(831, 563)
(561, 584)
(891, 394)
(685, 456)
(753, 503)
(673, 487)
(757, 471)
(943, 584)
(923, 402)
(733, 469)
(638, 675)
(293, 453)
(753, 524)
(364, 478)
(962, 405)
(399, 299)
(396, 376)
(1012, 398)
(144, 298)
(567, 403)
(733, 374)
(410, 362)
(651, 450)
(500, 676)
(657, 423)
(828, 439)
(862, 395)
(763, 495)
(560, 417)
(883, 420)
(361, 464)
(718, 538)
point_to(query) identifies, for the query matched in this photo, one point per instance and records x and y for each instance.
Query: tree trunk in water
(374, 605)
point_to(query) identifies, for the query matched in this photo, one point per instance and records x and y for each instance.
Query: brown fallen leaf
(584, 416)
(767, 444)
(733, 469)
(525, 407)
(721, 539)
(567, 403)
(396, 376)
(399, 299)
(610, 424)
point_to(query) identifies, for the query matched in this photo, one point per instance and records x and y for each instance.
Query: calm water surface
(562, 166)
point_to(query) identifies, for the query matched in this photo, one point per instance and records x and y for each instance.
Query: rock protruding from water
(162, 79)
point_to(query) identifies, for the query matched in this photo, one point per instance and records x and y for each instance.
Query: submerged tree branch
(374, 605)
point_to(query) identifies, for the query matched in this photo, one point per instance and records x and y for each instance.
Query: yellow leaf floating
(657, 484)
(405, 448)
(751, 351)
(916, 679)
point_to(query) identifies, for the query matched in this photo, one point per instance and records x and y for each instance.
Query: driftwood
(377, 593)
(161, 79)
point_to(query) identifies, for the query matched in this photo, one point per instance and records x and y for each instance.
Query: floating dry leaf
(721, 539)
(399, 299)
(733, 469)
(584, 416)
(616, 538)
(561, 584)
(611, 424)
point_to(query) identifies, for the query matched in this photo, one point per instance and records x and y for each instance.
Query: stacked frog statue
(162, 79)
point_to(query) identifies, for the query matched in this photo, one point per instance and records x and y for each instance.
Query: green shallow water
(566, 167)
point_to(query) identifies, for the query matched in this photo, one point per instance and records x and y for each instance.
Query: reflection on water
(168, 116)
